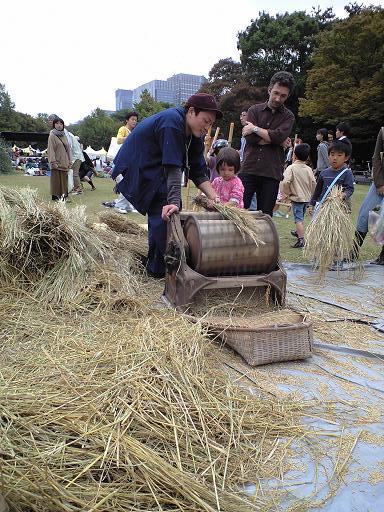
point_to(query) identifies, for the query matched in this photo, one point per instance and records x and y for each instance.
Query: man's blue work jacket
(156, 142)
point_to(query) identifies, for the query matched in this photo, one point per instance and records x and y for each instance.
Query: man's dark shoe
(299, 244)
(294, 233)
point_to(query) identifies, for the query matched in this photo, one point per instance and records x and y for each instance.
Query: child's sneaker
(294, 233)
(299, 244)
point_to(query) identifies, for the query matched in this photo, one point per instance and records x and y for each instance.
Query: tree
(27, 123)
(7, 111)
(11, 120)
(281, 42)
(97, 129)
(119, 115)
(229, 85)
(223, 76)
(148, 105)
(5, 157)
(43, 116)
(269, 44)
(346, 81)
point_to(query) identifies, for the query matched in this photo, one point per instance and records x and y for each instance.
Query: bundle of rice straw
(242, 219)
(132, 233)
(329, 237)
(121, 224)
(45, 244)
(52, 250)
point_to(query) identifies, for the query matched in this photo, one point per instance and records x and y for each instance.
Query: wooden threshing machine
(206, 252)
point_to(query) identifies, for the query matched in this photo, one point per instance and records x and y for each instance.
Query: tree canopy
(11, 120)
(346, 81)
(281, 42)
(268, 44)
(97, 129)
(148, 106)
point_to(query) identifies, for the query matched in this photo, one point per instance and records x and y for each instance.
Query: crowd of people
(268, 167)
(30, 166)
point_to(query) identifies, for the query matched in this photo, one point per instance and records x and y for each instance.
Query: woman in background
(322, 151)
(59, 158)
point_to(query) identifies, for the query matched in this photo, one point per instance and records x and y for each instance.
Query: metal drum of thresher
(217, 247)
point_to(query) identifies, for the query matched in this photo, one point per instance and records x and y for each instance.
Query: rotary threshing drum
(216, 247)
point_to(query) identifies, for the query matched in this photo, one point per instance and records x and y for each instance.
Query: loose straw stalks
(107, 412)
(242, 219)
(121, 408)
(330, 236)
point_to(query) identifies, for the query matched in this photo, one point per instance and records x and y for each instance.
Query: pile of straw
(54, 253)
(329, 237)
(128, 412)
(114, 404)
(242, 219)
(45, 244)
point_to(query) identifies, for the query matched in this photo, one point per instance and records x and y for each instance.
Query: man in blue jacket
(152, 160)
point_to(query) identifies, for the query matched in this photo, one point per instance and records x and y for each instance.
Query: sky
(69, 57)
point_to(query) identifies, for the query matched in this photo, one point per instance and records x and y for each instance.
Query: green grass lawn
(104, 192)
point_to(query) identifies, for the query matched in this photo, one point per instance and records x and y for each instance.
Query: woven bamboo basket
(268, 338)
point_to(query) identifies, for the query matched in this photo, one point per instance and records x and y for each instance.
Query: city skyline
(175, 90)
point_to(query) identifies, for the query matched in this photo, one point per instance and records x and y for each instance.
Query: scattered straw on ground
(128, 411)
(108, 403)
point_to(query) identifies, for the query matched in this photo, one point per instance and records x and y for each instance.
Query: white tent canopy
(92, 153)
(113, 148)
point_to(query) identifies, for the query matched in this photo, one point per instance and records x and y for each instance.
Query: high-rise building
(184, 85)
(160, 90)
(174, 90)
(123, 99)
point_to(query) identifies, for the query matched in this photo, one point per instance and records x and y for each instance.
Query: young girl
(228, 186)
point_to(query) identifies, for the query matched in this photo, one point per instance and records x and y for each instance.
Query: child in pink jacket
(228, 186)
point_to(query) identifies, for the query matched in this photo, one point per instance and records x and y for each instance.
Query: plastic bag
(376, 224)
(70, 180)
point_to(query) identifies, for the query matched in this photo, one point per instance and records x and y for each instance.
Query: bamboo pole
(215, 137)
(230, 135)
(207, 148)
(207, 141)
(188, 191)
